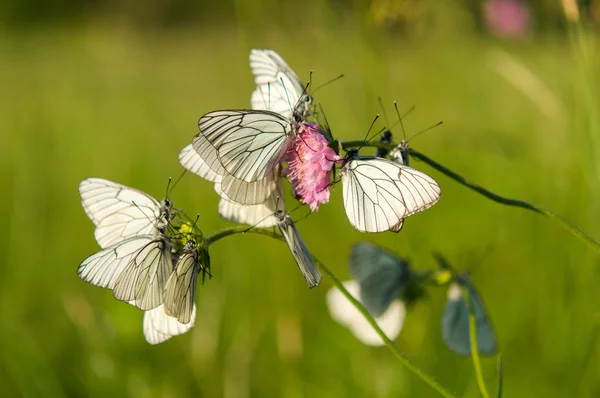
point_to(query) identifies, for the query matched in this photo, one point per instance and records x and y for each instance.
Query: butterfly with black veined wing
(229, 160)
(379, 194)
(130, 227)
(249, 144)
(303, 258)
(180, 288)
(278, 88)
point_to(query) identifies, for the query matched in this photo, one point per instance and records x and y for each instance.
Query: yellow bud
(442, 277)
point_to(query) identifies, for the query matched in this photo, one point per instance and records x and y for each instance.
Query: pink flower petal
(310, 161)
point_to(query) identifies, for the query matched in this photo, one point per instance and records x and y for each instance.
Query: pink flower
(506, 18)
(310, 161)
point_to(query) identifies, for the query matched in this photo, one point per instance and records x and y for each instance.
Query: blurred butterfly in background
(384, 284)
(455, 319)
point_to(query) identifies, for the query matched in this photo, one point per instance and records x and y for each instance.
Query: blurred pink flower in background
(506, 18)
(310, 161)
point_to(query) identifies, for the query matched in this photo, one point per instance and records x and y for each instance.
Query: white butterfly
(120, 212)
(379, 194)
(159, 327)
(249, 144)
(136, 258)
(290, 234)
(278, 88)
(242, 149)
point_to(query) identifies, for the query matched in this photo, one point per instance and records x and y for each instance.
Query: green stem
(473, 342)
(389, 343)
(499, 391)
(568, 225)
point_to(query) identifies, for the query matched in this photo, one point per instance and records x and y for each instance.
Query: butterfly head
(167, 204)
(350, 154)
(279, 214)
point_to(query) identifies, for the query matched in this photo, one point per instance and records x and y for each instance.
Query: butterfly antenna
(329, 135)
(304, 217)
(426, 130)
(300, 99)
(196, 221)
(327, 126)
(295, 208)
(400, 120)
(168, 185)
(175, 183)
(367, 139)
(408, 112)
(330, 81)
(310, 79)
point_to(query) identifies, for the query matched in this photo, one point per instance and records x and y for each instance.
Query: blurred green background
(114, 89)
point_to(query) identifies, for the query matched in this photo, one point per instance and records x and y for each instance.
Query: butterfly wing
(380, 276)
(259, 215)
(249, 144)
(309, 270)
(379, 193)
(249, 193)
(143, 279)
(104, 267)
(278, 88)
(455, 323)
(159, 327)
(189, 158)
(181, 287)
(119, 212)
